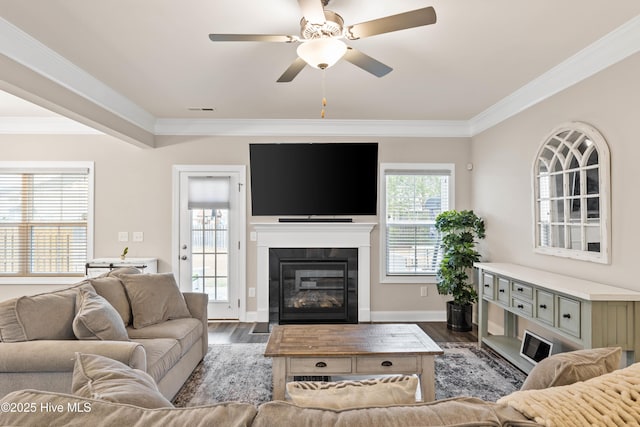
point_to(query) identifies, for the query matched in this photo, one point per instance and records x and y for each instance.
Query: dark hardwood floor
(234, 332)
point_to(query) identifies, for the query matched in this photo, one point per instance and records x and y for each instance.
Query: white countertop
(579, 288)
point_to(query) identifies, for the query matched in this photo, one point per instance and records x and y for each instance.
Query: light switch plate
(123, 236)
(138, 236)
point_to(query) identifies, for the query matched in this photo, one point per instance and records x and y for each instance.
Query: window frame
(426, 278)
(55, 166)
(604, 195)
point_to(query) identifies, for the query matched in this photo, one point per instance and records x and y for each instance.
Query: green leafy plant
(459, 229)
(124, 253)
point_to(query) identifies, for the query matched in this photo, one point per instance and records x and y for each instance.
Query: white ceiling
(155, 55)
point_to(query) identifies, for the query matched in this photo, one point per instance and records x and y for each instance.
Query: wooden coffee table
(353, 349)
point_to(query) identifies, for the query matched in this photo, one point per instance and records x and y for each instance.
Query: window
(571, 179)
(45, 218)
(412, 195)
(209, 209)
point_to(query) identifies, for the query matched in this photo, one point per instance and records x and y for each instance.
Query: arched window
(571, 180)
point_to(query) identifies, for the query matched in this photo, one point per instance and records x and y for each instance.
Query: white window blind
(209, 192)
(43, 222)
(413, 200)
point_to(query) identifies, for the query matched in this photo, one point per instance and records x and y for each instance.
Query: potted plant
(459, 230)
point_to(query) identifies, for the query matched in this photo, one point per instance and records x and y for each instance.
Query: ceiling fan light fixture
(323, 52)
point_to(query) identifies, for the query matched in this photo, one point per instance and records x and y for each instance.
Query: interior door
(211, 218)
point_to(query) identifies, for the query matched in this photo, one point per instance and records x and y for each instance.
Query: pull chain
(324, 98)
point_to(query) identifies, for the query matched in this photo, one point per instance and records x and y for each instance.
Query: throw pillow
(46, 316)
(354, 394)
(608, 400)
(98, 377)
(97, 319)
(154, 298)
(111, 289)
(570, 367)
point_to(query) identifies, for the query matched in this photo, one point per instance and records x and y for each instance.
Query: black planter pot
(459, 317)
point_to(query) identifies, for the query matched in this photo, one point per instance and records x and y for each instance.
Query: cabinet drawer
(544, 306)
(488, 286)
(382, 364)
(318, 365)
(503, 290)
(522, 290)
(569, 316)
(523, 307)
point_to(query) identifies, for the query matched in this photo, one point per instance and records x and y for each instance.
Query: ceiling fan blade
(293, 70)
(312, 11)
(366, 62)
(252, 38)
(402, 21)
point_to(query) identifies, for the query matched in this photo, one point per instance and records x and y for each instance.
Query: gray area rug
(240, 372)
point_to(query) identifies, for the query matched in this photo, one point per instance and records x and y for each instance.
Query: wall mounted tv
(311, 179)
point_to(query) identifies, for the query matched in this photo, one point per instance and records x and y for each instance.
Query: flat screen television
(310, 179)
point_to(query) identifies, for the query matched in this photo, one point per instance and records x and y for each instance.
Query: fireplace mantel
(314, 235)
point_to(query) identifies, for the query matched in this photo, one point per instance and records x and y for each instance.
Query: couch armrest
(59, 355)
(197, 303)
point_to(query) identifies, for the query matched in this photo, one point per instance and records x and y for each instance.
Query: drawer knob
(486, 286)
(387, 363)
(501, 290)
(543, 306)
(321, 365)
(520, 306)
(520, 289)
(566, 316)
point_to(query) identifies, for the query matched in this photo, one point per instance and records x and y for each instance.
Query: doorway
(209, 235)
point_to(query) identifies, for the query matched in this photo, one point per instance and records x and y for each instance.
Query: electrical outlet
(123, 236)
(137, 236)
(252, 292)
(423, 291)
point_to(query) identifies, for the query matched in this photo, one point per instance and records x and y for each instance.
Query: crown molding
(29, 52)
(619, 44)
(314, 127)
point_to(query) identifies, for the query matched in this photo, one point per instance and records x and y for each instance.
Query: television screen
(314, 179)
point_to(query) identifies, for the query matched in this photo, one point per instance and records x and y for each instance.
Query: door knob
(183, 257)
(184, 246)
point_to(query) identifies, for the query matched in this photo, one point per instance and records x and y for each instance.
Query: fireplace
(313, 285)
(276, 235)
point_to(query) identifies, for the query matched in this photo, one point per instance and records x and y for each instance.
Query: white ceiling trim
(610, 49)
(21, 47)
(29, 52)
(313, 127)
(44, 125)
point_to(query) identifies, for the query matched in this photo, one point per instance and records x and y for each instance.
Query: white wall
(502, 183)
(134, 190)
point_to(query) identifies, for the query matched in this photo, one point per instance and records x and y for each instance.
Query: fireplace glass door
(313, 291)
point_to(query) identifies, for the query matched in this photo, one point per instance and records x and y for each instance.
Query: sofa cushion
(570, 367)
(96, 319)
(162, 355)
(111, 289)
(98, 377)
(608, 400)
(187, 331)
(117, 272)
(354, 394)
(154, 298)
(451, 412)
(46, 316)
(99, 413)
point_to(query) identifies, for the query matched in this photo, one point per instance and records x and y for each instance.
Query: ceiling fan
(321, 31)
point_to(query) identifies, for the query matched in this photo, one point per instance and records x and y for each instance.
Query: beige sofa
(141, 320)
(578, 389)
